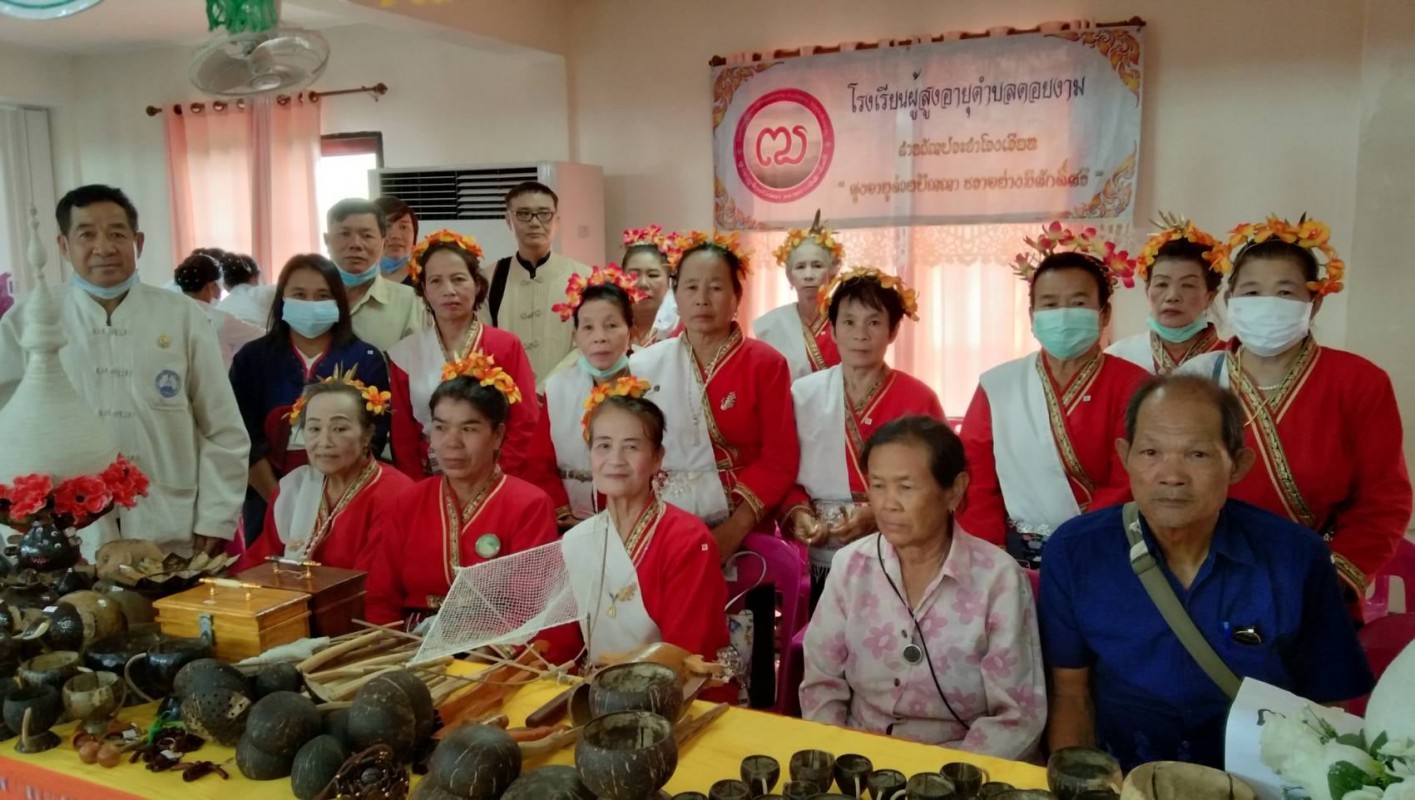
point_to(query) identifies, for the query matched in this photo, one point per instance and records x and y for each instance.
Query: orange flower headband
(1174, 228)
(728, 242)
(599, 276)
(482, 368)
(444, 236)
(375, 401)
(817, 233)
(907, 297)
(627, 386)
(1311, 234)
(665, 243)
(1117, 264)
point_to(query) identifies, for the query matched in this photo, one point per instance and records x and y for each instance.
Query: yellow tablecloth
(713, 755)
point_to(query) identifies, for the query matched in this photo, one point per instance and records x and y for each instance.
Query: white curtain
(26, 182)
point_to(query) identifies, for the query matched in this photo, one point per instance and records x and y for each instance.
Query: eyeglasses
(526, 215)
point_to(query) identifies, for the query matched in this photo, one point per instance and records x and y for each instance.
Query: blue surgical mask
(603, 374)
(103, 292)
(351, 279)
(1178, 335)
(389, 264)
(310, 318)
(1067, 332)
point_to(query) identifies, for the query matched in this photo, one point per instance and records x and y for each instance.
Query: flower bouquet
(74, 503)
(1320, 760)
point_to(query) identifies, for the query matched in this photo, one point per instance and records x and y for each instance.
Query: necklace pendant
(612, 612)
(488, 545)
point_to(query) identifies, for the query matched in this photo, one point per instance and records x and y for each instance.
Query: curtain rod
(771, 55)
(374, 91)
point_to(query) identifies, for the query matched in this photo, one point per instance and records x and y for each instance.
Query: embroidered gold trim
(324, 520)
(1350, 574)
(703, 378)
(1165, 364)
(1056, 416)
(454, 520)
(1264, 421)
(813, 350)
(643, 531)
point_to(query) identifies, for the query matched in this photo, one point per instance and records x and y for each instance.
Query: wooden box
(244, 622)
(337, 595)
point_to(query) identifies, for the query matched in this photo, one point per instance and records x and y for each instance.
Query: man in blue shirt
(1261, 589)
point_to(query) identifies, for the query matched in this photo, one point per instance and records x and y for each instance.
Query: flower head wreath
(907, 296)
(666, 243)
(482, 369)
(722, 242)
(377, 402)
(444, 236)
(1309, 234)
(1172, 228)
(1117, 264)
(627, 386)
(817, 233)
(599, 276)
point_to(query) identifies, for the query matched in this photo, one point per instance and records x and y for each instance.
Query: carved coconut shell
(430, 790)
(381, 714)
(281, 722)
(316, 765)
(476, 761)
(216, 711)
(278, 678)
(65, 630)
(419, 700)
(258, 765)
(208, 673)
(553, 782)
(101, 616)
(336, 724)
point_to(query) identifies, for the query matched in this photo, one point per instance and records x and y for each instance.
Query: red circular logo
(783, 145)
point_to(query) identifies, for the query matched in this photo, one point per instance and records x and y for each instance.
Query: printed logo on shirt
(169, 384)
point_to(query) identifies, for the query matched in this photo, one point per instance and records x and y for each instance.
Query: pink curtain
(244, 180)
(972, 308)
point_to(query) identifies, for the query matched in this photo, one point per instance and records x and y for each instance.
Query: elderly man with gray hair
(1152, 613)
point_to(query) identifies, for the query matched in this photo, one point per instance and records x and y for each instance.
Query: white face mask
(1269, 325)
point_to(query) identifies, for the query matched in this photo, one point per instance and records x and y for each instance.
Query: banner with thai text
(1015, 128)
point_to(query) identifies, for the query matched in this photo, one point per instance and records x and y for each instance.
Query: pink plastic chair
(1393, 589)
(782, 565)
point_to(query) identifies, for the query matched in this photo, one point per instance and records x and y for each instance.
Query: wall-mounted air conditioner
(471, 200)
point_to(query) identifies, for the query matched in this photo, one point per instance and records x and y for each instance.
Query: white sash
(692, 483)
(782, 329)
(819, 399)
(296, 507)
(1135, 349)
(565, 394)
(1209, 365)
(603, 578)
(421, 357)
(1034, 485)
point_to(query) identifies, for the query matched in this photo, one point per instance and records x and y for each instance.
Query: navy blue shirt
(1152, 701)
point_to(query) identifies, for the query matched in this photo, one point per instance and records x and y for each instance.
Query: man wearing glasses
(523, 292)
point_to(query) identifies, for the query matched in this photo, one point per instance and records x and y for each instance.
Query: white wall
(446, 104)
(1249, 107)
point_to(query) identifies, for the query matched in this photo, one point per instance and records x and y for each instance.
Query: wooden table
(713, 755)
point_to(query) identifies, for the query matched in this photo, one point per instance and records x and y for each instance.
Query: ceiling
(123, 25)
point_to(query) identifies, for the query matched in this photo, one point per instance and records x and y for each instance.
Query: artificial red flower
(82, 497)
(124, 482)
(29, 495)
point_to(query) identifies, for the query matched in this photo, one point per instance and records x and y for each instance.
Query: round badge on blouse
(488, 545)
(913, 653)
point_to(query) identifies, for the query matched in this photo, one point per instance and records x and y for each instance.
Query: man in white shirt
(147, 362)
(383, 312)
(522, 293)
(199, 277)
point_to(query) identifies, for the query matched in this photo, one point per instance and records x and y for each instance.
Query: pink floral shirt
(980, 627)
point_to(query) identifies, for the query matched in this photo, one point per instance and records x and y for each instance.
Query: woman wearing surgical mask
(799, 330)
(445, 270)
(601, 307)
(1040, 433)
(402, 235)
(1324, 421)
(1180, 284)
(310, 339)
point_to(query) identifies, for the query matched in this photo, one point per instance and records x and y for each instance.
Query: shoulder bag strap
(1147, 569)
(498, 288)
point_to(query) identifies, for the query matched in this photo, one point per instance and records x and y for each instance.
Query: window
(344, 163)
